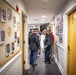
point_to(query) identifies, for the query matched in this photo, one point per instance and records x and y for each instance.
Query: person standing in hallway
(49, 31)
(34, 44)
(47, 46)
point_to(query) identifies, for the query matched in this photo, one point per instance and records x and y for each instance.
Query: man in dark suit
(47, 46)
(34, 45)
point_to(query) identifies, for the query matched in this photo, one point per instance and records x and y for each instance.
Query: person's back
(32, 42)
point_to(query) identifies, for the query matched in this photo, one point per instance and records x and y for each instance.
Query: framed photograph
(9, 13)
(14, 20)
(3, 15)
(18, 26)
(57, 30)
(18, 41)
(2, 37)
(60, 38)
(15, 35)
(12, 47)
(61, 28)
(61, 19)
(7, 49)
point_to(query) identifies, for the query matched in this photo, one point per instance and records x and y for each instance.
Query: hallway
(42, 68)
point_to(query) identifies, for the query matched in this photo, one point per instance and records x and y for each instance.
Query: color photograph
(12, 47)
(14, 20)
(17, 25)
(15, 35)
(60, 38)
(61, 28)
(9, 13)
(18, 41)
(7, 48)
(3, 15)
(2, 37)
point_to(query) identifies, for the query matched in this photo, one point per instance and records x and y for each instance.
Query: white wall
(20, 3)
(62, 48)
(15, 69)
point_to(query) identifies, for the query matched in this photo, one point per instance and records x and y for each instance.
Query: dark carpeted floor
(42, 68)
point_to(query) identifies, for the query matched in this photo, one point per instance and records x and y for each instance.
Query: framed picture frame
(12, 47)
(18, 26)
(14, 21)
(18, 41)
(61, 28)
(7, 50)
(57, 30)
(9, 13)
(2, 37)
(15, 35)
(2, 15)
(61, 38)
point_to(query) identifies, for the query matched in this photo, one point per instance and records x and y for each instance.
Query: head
(36, 31)
(44, 32)
(49, 31)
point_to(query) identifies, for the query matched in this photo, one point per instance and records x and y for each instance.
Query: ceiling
(46, 8)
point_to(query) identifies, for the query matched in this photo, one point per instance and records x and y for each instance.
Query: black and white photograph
(3, 15)
(9, 13)
(2, 37)
(14, 20)
(60, 38)
(12, 47)
(7, 49)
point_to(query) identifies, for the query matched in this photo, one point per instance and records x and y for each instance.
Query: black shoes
(34, 64)
(47, 62)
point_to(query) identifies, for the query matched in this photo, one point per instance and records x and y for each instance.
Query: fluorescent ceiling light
(43, 16)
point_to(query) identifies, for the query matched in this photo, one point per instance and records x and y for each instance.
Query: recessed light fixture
(43, 16)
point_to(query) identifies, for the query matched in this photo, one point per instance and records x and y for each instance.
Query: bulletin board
(59, 30)
(9, 32)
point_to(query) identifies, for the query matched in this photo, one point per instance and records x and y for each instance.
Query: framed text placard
(9, 32)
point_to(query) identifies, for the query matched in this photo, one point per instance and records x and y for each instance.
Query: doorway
(25, 60)
(72, 43)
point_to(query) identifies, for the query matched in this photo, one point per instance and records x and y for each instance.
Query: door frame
(24, 54)
(66, 39)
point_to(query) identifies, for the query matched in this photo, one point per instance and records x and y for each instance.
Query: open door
(72, 43)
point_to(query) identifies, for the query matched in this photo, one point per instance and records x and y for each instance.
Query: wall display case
(9, 41)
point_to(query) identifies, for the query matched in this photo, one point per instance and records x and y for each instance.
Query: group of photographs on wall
(59, 28)
(3, 15)
(7, 15)
(9, 48)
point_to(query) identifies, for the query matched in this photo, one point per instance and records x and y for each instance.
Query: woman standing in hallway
(34, 44)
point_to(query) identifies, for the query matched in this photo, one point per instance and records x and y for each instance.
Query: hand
(45, 46)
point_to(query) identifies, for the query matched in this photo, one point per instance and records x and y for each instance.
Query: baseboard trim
(58, 64)
(4, 68)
